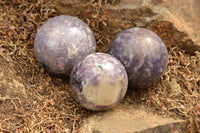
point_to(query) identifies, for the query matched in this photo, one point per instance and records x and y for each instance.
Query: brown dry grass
(49, 106)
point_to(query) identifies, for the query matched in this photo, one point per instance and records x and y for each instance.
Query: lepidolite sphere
(61, 42)
(99, 82)
(143, 54)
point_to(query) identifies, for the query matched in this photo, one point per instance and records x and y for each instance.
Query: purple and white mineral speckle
(61, 42)
(99, 82)
(143, 54)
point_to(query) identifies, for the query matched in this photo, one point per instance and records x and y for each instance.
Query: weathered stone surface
(127, 119)
(183, 14)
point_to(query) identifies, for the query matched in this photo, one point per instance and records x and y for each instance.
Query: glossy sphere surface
(61, 42)
(143, 54)
(99, 82)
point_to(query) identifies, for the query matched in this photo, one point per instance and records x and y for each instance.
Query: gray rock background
(183, 14)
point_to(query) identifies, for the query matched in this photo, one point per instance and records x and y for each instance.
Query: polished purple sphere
(61, 42)
(98, 82)
(143, 54)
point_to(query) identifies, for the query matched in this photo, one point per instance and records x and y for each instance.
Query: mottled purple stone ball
(143, 54)
(61, 42)
(99, 82)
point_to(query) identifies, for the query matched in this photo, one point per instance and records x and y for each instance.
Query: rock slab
(183, 14)
(127, 119)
